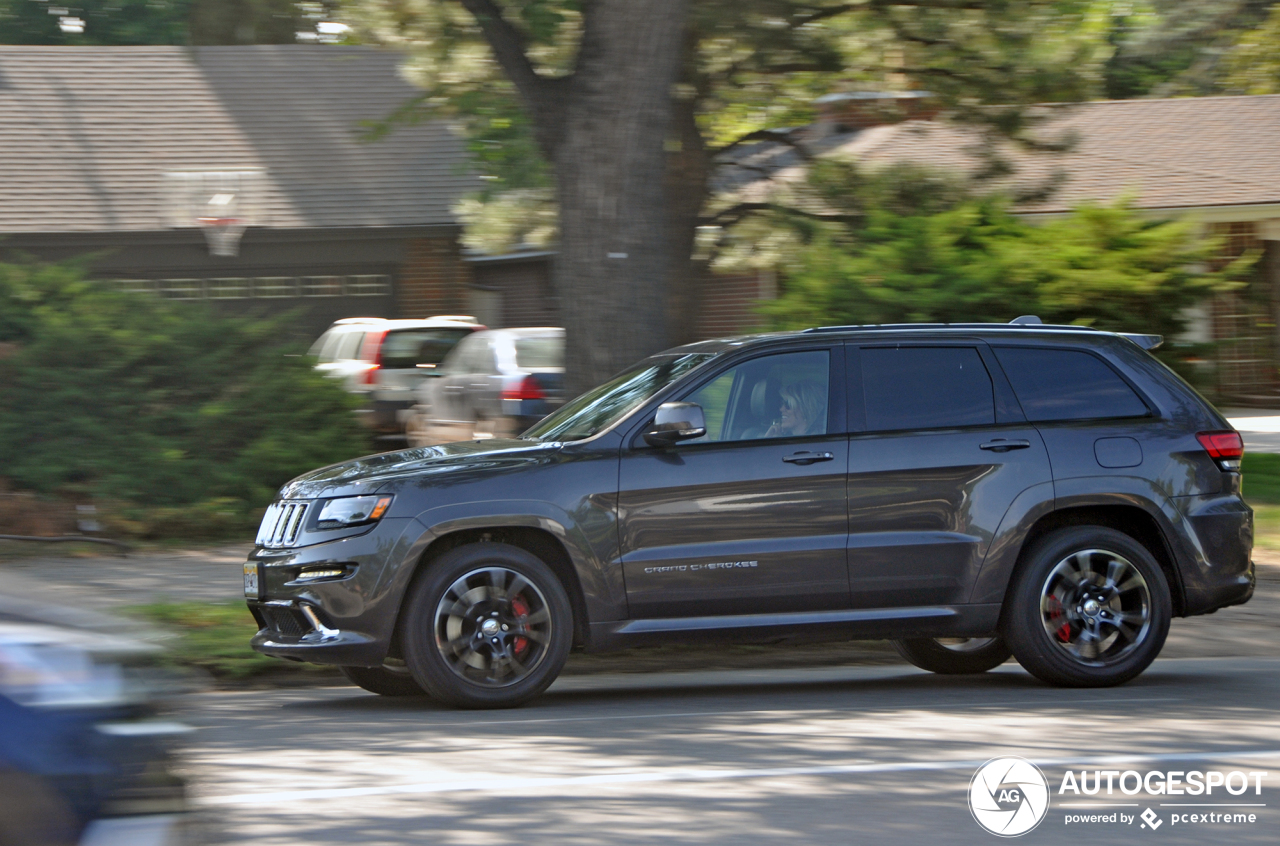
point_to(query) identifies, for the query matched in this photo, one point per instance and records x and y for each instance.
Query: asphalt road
(838, 755)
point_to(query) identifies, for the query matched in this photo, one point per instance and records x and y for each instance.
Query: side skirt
(813, 626)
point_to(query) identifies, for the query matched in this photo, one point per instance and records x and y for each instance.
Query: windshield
(602, 406)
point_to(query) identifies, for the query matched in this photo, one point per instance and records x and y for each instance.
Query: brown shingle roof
(1203, 151)
(87, 134)
(1184, 153)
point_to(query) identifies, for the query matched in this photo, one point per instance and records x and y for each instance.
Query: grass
(1262, 491)
(214, 636)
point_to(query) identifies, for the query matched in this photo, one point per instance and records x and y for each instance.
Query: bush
(146, 404)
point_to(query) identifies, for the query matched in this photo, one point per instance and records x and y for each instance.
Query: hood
(368, 474)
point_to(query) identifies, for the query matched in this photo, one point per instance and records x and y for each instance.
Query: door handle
(1003, 445)
(808, 457)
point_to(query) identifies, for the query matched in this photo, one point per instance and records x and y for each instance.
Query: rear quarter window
(1067, 385)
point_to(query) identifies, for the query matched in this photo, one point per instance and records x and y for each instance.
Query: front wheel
(488, 625)
(1089, 607)
(954, 656)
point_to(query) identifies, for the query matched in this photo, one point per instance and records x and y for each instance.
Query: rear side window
(538, 352)
(348, 346)
(926, 388)
(410, 347)
(1067, 385)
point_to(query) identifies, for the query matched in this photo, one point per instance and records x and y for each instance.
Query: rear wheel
(954, 656)
(387, 680)
(1089, 607)
(488, 625)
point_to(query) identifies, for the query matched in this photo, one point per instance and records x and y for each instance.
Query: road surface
(836, 755)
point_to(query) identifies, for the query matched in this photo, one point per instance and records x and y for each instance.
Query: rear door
(750, 518)
(939, 453)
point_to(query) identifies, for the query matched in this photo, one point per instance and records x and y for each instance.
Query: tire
(1088, 607)
(954, 656)
(417, 428)
(384, 681)
(487, 625)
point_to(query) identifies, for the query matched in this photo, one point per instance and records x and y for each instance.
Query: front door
(751, 518)
(942, 453)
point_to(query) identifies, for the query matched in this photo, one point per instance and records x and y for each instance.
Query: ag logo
(1008, 796)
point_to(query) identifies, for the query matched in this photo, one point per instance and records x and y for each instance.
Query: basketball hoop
(222, 203)
(223, 234)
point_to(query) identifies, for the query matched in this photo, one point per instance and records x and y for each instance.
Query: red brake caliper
(521, 609)
(1058, 618)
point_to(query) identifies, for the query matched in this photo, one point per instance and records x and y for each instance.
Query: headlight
(352, 511)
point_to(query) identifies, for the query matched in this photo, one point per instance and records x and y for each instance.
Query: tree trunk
(687, 178)
(610, 161)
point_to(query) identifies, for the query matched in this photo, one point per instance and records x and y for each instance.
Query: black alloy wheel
(1089, 607)
(487, 625)
(954, 655)
(391, 679)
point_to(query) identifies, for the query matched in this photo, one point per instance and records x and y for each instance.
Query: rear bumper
(1222, 574)
(384, 415)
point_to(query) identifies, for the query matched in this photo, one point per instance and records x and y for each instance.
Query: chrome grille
(281, 524)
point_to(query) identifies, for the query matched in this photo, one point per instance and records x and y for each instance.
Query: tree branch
(765, 135)
(540, 94)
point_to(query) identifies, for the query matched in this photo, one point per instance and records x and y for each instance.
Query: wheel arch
(1127, 518)
(535, 540)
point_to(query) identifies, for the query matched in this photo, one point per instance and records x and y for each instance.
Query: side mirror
(676, 421)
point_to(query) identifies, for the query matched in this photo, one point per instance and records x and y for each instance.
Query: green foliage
(215, 638)
(1253, 65)
(128, 398)
(912, 251)
(1261, 472)
(106, 22)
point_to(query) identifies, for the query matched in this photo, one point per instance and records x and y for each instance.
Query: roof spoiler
(1147, 342)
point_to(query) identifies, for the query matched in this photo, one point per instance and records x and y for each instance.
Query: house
(1213, 158)
(239, 175)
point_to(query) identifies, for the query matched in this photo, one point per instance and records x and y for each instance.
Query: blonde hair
(809, 398)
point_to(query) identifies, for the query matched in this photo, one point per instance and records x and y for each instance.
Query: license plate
(251, 579)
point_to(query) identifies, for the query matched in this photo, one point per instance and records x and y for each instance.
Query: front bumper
(348, 621)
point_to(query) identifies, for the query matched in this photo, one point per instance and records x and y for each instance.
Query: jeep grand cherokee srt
(969, 491)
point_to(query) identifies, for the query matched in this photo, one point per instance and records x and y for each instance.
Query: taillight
(528, 389)
(371, 351)
(1226, 448)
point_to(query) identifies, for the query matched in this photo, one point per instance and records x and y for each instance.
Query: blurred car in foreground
(83, 758)
(494, 384)
(384, 360)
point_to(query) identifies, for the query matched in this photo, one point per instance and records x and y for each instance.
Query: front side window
(601, 407)
(775, 396)
(1067, 385)
(926, 388)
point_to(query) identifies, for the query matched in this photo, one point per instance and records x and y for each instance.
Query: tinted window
(411, 347)
(1067, 385)
(774, 396)
(926, 388)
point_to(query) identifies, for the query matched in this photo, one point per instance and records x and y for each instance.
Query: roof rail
(1011, 326)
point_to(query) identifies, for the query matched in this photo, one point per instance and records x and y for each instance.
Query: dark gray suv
(970, 491)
